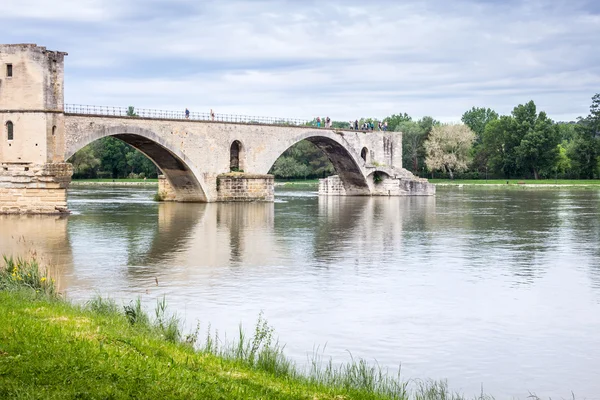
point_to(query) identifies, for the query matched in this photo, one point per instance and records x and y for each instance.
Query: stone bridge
(201, 160)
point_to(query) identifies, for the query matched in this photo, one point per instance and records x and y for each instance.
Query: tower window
(8, 70)
(9, 130)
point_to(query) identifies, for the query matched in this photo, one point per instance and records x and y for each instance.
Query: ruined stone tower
(33, 174)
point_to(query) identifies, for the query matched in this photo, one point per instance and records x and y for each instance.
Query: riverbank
(51, 348)
(541, 183)
(298, 183)
(114, 182)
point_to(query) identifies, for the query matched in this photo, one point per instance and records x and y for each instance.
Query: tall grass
(18, 274)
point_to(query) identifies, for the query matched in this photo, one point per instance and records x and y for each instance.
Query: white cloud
(343, 58)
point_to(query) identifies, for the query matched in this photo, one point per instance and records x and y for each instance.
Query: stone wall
(331, 186)
(165, 190)
(27, 188)
(237, 186)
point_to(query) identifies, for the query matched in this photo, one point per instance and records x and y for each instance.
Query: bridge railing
(170, 114)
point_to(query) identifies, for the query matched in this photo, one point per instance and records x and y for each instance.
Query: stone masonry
(237, 186)
(34, 188)
(191, 155)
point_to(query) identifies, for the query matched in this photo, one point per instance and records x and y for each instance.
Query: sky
(301, 58)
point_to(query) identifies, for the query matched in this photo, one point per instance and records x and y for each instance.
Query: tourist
(356, 125)
(379, 125)
(187, 114)
(385, 126)
(212, 115)
(318, 122)
(351, 125)
(371, 125)
(327, 122)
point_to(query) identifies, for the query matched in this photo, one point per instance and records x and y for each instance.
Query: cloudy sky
(302, 58)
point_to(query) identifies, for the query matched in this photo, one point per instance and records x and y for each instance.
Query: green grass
(517, 181)
(53, 349)
(116, 180)
(299, 182)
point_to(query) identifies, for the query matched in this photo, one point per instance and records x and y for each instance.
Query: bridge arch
(345, 160)
(181, 174)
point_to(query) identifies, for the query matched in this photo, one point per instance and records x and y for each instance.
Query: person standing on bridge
(318, 122)
(356, 125)
(187, 114)
(327, 122)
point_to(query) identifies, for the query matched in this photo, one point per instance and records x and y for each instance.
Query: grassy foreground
(51, 348)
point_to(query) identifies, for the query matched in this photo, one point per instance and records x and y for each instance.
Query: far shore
(525, 183)
(115, 182)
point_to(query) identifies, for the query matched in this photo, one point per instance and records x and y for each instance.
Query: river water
(497, 288)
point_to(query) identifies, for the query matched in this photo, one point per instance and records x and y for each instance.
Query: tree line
(524, 144)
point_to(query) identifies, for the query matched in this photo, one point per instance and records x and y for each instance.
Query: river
(497, 288)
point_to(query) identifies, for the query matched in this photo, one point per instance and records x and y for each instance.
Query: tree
(538, 150)
(85, 163)
(448, 147)
(412, 144)
(477, 119)
(395, 119)
(131, 111)
(302, 160)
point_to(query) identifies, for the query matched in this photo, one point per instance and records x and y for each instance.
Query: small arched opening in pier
(236, 157)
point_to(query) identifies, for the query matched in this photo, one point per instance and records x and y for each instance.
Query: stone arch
(364, 153)
(236, 156)
(182, 176)
(53, 130)
(10, 130)
(342, 155)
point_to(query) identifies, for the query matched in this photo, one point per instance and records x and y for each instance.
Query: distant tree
(448, 148)
(85, 163)
(412, 144)
(131, 111)
(563, 162)
(302, 160)
(395, 119)
(538, 151)
(477, 118)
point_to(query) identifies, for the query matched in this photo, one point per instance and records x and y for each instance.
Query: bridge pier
(27, 188)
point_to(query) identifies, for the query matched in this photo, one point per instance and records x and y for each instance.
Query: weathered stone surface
(245, 187)
(31, 188)
(193, 156)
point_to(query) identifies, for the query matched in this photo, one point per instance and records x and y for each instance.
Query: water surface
(495, 287)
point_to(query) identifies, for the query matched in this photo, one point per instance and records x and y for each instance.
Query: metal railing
(169, 114)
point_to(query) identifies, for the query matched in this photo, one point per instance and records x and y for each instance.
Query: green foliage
(538, 150)
(302, 161)
(396, 119)
(413, 135)
(477, 119)
(110, 157)
(377, 177)
(131, 111)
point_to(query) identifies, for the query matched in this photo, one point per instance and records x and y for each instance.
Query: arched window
(363, 153)
(54, 130)
(234, 156)
(10, 130)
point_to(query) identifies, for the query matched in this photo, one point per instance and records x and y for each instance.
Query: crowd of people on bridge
(366, 126)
